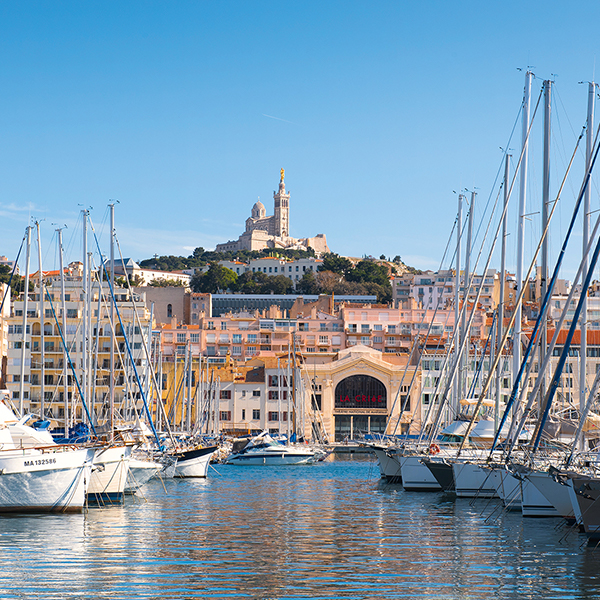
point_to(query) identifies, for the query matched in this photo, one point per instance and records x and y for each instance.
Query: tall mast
(545, 204)
(586, 235)
(42, 317)
(521, 228)
(500, 324)
(113, 340)
(88, 330)
(84, 320)
(463, 325)
(188, 414)
(457, 384)
(64, 328)
(25, 306)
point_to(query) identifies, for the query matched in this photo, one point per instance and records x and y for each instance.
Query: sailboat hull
(194, 463)
(109, 475)
(44, 481)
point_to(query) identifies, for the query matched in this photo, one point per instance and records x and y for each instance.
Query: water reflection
(326, 531)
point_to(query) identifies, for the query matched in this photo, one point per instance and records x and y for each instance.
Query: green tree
(278, 284)
(308, 284)
(217, 278)
(367, 270)
(16, 284)
(336, 264)
(166, 283)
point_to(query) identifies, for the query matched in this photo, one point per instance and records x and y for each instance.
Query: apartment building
(5, 302)
(63, 361)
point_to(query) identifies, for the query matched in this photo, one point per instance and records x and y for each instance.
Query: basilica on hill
(273, 231)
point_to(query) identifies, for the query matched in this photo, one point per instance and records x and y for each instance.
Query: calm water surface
(329, 531)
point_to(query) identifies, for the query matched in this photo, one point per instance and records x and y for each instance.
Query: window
(252, 338)
(72, 313)
(364, 328)
(243, 414)
(352, 328)
(195, 338)
(225, 415)
(225, 394)
(256, 414)
(317, 401)
(377, 339)
(237, 338)
(364, 340)
(256, 393)
(335, 326)
(210, 325)
(273, 381)
(391, 329)
(273, 395)
(273, 415)
(169, 311)
(378, 327)
(223, 325)
(323, 326)
(181, 338)
(323, 339)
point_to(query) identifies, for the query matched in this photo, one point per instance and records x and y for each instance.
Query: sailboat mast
(42, 316)
(463, 326)
(25, 306)
(111, 406)
(499, 326)
(64, 327)
(586, 235)
(457, 384)
(84, 333)
(521, 227)
(545, 205)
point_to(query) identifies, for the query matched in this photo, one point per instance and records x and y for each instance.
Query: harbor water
(331, 530)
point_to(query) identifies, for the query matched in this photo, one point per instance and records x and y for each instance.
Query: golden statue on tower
(282, 174)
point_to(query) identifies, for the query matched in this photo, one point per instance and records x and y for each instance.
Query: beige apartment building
(37, 368)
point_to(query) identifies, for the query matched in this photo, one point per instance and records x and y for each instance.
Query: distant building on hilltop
(273, 231)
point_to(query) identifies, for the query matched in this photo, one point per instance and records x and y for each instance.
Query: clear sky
(186, 111)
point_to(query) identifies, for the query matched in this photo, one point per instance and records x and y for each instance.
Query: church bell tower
(282, 209)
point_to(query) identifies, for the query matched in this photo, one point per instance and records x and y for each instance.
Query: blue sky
(186, 111)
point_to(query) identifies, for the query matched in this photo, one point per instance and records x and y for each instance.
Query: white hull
(140, 473)
(195, 467)
(109, 475)
(554, 492)
(53, 480)
(508, 489)
(389, 467)
(416, 477)
(279, 457)
(473, 481)
(534, 503)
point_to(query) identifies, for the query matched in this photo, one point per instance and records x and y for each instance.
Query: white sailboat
(38, 477)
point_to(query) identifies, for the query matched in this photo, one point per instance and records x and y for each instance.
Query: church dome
(258, 210)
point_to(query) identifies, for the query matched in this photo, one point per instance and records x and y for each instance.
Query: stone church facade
(272, 231)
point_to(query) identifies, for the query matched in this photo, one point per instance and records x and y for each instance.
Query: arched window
(169, 310)
(360, 391)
